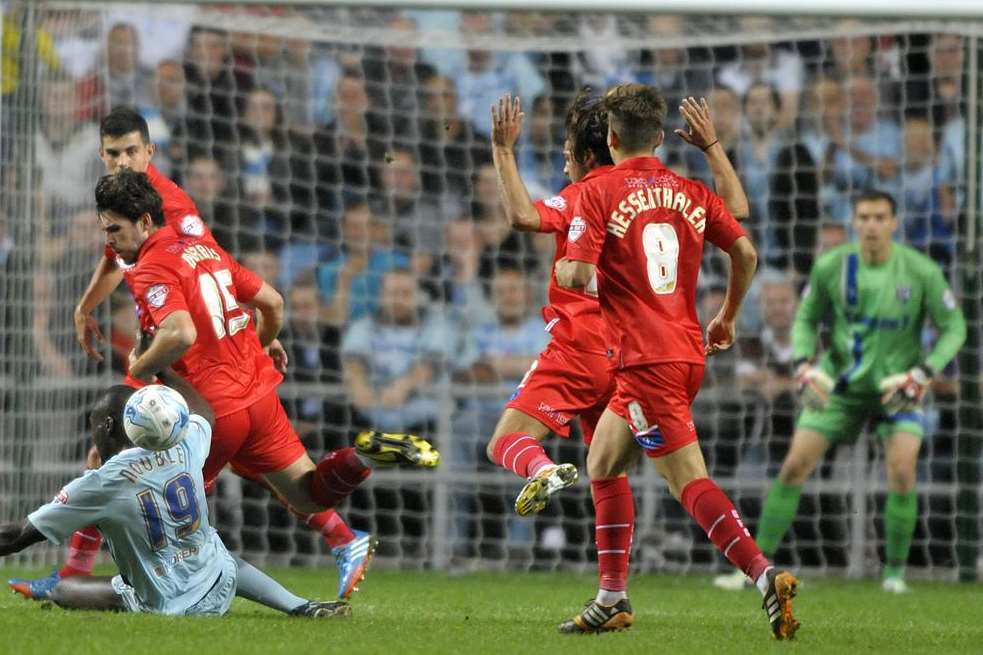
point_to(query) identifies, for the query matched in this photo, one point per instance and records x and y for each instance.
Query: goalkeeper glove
(814, 385)
(904, 392)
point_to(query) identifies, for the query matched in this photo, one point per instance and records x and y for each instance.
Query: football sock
(614, 512)
(331, 526)
(520, 453)
(712, 509)
(762, 582)
(337, 476)
(252, 584)
(900, 516)
(83, 548)
(779, 510)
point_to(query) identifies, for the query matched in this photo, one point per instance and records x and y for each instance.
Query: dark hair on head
(873, 195)
(106, 420)
(122, 121)
(587, 129)
(636, 112)
(131, 195)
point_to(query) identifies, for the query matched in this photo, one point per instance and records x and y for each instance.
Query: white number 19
(662, 252)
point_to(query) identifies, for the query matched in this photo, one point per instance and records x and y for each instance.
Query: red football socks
(614, 511)
(521, 453)
(712, 509)
(337, 476)
(331, 526)
(83, 548)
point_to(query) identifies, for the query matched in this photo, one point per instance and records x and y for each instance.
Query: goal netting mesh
(327, 147)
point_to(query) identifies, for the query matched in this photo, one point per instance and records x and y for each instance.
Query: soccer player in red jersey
(125, 145)
(641, 229)
(573, 377)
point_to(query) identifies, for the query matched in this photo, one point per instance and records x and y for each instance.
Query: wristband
(710, 145)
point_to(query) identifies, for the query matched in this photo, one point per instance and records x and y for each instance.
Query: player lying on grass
(642, 231)
(876, 295)
(151, 507)
(196, 300)
(573, 377)
(124, 143)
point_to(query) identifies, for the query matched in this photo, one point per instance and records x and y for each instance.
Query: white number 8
(662, 252)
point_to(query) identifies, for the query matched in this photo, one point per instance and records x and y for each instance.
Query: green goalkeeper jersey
(876, 314)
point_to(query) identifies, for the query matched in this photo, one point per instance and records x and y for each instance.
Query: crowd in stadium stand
(358, 181)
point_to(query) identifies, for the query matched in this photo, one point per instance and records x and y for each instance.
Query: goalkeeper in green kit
(875, 296)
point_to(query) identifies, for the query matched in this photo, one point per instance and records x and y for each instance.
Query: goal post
(375, 105)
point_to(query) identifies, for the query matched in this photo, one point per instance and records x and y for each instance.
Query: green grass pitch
(403, 613)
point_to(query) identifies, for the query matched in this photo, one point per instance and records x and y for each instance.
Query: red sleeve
(587, 231)
(722, 228)
(180, 211)
(159, 288)
(246, 282)
(556, 213)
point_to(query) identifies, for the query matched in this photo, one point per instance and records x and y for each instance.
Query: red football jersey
(644, 227)
(573, 317)
(226, 364)
(180, 212)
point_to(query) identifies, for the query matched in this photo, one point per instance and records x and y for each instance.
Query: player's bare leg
(901, 508)
(86, 593)
(612, 452)
(782, 502)
(516, 446)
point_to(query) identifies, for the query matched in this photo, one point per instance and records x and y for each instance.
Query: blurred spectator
(757, 153)
(350, 277)
(395, 77)
(927, 206)
(501, 245)
(393, 357)
(831, 235)
(850, 56)
(63, 272)
(489, 75)
(162, 29)
(44, 58)
(763, 63)
(166, 116)
(286, 67)
(263, 263)
(463, 289)
(540, 155)
(594, 66)
(826, 114)
(212, 88)
(66, 149)
(504, 348)
(346, 146)
(728, 118)
(766, 366)
(128, 82)
(419, 218)
(449, 149)
(236, 226)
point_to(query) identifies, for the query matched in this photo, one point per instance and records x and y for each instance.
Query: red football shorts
(563, 384)
(655, 400)
(256, 440)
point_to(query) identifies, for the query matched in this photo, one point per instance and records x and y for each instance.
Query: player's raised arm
(15, 537)
(506, 127)
(947, 317)
(104, 281)
(703, 135)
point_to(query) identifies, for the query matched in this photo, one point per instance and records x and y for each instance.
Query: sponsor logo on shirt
(192, 226)
(904, 292)
(556, 202)
(577, 228)
(157, 295)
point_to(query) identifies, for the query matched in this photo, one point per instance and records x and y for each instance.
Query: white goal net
(328, 147)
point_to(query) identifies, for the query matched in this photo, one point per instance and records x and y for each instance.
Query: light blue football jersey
(151, 509)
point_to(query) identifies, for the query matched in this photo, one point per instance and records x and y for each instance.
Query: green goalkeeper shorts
(845, 416)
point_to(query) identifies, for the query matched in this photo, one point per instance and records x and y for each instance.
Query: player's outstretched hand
(87, 330)
(720, 334)
(702, 132)
(279, 355)
(506, 121)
